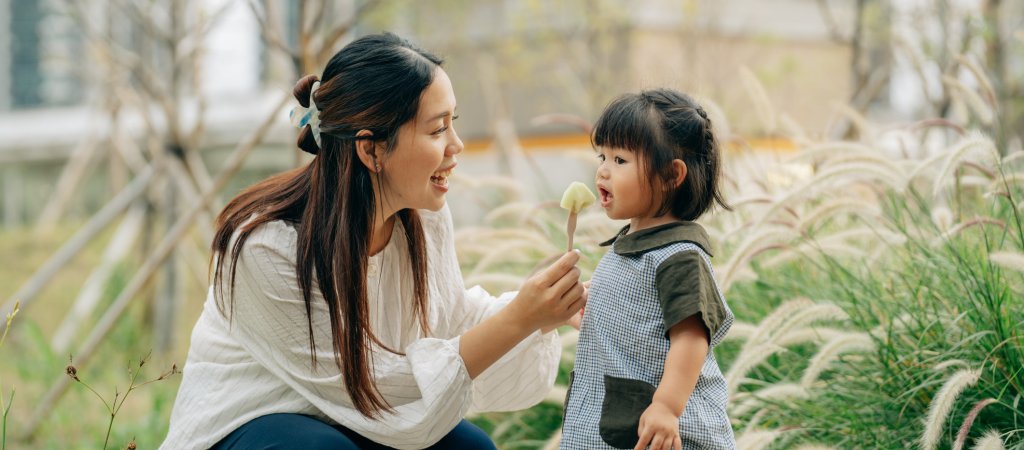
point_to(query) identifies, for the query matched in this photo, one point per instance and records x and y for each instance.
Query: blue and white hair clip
(301, 116)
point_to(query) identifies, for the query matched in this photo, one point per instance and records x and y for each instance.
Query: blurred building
(511, 62)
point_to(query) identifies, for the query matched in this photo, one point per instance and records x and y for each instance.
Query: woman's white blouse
(259, 362)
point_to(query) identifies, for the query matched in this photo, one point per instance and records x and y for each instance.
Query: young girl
(645, 374)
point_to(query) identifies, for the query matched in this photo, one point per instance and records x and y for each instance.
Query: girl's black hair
(661, 125)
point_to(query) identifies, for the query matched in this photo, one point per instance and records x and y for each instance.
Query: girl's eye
(619, 160)
(600, 157)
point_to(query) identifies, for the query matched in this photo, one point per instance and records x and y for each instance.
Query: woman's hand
(659, 428)
(551, 297)
(577, 319)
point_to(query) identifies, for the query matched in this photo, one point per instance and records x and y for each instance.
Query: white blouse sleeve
(521, 378)
(429, 388)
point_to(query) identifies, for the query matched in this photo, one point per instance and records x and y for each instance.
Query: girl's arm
(659, 425)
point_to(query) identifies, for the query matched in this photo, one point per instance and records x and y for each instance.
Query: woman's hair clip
(301, 116)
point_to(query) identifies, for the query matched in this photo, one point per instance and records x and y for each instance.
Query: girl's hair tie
(301, 116)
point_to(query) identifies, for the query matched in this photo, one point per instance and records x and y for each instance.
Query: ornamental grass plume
(512, 212)
(979, 74)
(942, 404)
(779, 391)
(981, 109)
(756, 439)
(965, 428)
(841, 205)
(991, 440)
(758, 95)
(970, 144)
(764, 238)
(960, 227)
(1008, 259)
(847, 342)
(809, 335)
(764, 341)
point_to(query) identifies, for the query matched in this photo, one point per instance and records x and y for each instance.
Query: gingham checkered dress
(623, 336)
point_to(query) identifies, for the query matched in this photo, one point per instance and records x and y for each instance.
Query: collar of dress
(648, 239)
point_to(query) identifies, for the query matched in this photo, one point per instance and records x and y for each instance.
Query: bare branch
(269, 32)
(830, 21)
(331, 39)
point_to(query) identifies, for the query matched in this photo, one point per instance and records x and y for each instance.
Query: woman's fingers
(558, 269)
(567, 283)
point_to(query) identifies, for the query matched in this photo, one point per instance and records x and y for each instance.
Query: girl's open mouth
(606, 197)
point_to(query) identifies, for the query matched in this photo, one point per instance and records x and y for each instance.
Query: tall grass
(879, 293)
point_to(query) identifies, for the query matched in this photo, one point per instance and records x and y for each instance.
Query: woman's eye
(442, 130)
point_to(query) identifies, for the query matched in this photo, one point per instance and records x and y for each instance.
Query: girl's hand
(659, 428)
(551, 297)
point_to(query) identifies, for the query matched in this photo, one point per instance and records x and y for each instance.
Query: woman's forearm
(485, 343)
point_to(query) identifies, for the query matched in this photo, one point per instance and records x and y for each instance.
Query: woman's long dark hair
(372, 84)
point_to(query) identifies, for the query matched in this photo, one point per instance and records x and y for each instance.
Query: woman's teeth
(441, 177)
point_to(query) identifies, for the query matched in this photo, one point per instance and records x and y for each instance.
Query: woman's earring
(378, 167)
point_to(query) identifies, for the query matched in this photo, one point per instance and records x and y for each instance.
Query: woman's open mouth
(440, 178)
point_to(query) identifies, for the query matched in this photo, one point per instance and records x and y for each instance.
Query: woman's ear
(679, 168)
(366, 148)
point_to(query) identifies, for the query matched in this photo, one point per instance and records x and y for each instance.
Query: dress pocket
(625, 400)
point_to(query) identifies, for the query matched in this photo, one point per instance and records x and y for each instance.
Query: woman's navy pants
(296, 431)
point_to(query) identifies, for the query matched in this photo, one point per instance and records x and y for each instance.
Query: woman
(337, 317)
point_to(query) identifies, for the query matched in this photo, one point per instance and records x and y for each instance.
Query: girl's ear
(367, 150)
(679, 168)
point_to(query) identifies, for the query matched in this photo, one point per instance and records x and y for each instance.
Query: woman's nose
(456, 146)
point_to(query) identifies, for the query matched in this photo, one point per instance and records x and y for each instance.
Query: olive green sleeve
(685, 288)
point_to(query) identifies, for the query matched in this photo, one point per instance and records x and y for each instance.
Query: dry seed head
(812, 335)
(830, 351)
(965, 428)
(780, 391)
(975, 142)
(740, 331)
(1008, 260)
(942, 217)
(979, 74)
(974, 101)
(991, 440)
(960, 227)
(862, 124)
(824, 150)
(756, 439)
(942, 404)
(1019, 154)
(951, 363)
(762, 105)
